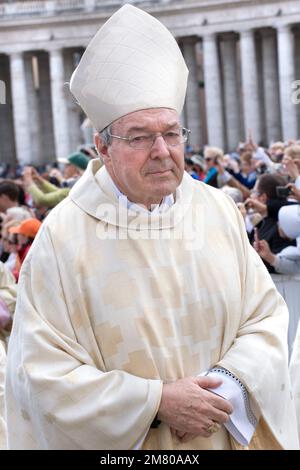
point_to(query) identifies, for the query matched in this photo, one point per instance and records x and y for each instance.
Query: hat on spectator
(79, 159)
(62, 160)
(132, 63)
(28, 227)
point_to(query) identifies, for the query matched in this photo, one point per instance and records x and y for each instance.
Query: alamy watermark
(296, 92)
(117, 222)
(2, 92)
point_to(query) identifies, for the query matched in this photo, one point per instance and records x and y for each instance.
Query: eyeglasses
(146, 141)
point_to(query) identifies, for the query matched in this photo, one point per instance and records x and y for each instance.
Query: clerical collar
(165, 204)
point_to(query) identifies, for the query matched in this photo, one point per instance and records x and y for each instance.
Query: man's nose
(159, 147)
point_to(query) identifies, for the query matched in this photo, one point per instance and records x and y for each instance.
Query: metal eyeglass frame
(153, 136)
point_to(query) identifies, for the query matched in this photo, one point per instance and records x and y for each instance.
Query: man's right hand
(186, 406)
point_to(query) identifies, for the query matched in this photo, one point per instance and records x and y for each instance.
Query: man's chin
(160, 193)
(162, 186)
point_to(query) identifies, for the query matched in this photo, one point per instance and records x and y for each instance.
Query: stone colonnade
(247, 81)
(238, 81)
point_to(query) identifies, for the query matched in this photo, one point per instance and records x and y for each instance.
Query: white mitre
(132, 63)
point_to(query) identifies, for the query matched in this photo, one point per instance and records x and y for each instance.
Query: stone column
(251, 105)
(7, 139)
(213, 91)
(231, 90)
(46, 125)
(75, 133)
(33, 111)
(271, 86)
(297, 73)
(192, 101)
(285, 40)
(20, 108)
(59, 103)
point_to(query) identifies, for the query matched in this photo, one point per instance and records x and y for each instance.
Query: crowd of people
(265, 185)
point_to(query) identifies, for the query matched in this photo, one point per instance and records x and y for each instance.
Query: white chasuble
(295, 374)
(109, 309)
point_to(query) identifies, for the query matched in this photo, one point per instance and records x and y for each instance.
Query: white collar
(165, 204)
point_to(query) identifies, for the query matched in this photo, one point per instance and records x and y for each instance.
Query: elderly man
(145, 319)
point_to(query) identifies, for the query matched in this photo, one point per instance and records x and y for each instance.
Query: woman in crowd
(287, 261)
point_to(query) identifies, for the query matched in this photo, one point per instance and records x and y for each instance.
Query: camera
(282, 192)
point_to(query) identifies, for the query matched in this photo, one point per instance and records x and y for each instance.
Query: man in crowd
(9, 195)
(75, 165)
(145, 319)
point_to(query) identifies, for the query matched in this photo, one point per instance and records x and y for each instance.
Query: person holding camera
(266, 202)
(287, 261)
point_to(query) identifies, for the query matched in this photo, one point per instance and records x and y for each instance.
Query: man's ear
(102, 149)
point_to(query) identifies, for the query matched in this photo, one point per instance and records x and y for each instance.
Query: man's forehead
(147, 117)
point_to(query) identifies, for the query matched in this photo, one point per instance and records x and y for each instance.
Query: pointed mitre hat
(132, 63)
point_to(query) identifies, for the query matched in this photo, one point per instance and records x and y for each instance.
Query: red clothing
(20, 258)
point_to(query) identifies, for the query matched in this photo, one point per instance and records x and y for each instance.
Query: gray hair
(235, 193)
(105, 135)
